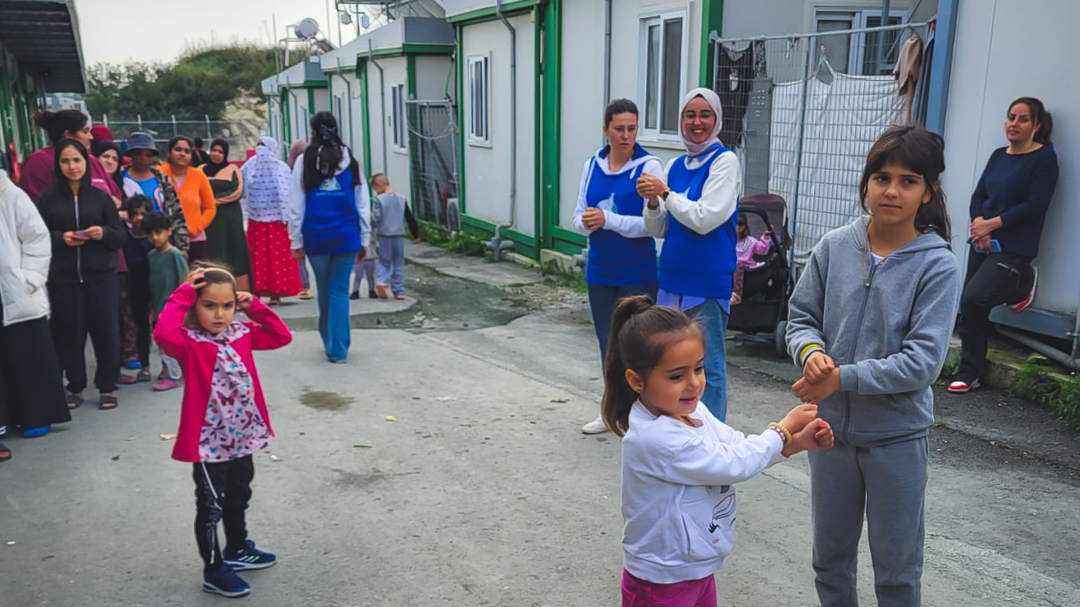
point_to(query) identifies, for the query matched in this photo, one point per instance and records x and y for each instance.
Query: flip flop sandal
(108, 403)
(142, 376)
(4, 449)
(74, 401)
(126, 380)
(36, 432)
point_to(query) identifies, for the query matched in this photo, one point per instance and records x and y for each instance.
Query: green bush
(1033, 382)
(458, 242)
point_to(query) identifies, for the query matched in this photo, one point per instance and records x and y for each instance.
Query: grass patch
(451, 240)
(555, 276)
(1033, 382)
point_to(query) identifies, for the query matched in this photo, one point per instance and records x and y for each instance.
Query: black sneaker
(248, 557)
(354, 295)
(372, 294)
(225, 582)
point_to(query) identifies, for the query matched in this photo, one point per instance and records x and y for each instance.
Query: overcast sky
(117, 31)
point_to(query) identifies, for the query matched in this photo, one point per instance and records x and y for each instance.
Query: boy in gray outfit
(389, 215)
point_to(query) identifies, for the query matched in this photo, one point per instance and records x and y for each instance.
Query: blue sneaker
(225, 582)
(248, 557)
(133, 364)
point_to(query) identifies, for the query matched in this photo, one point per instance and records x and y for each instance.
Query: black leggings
(89, 307)
(222, 493)
(138, 286)
(992, 280)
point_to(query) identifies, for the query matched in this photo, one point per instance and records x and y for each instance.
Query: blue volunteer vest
(698, 265)
(613, 258)
(331, 220)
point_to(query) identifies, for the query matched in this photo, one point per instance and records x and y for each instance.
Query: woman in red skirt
(274, 272)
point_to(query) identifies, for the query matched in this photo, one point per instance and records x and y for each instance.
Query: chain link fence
(802, 112)
(241, 135)
(434, 162)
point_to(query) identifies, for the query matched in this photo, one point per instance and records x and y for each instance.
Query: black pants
(90, 307)
(138, 289)
(992, 280)
(222, 493)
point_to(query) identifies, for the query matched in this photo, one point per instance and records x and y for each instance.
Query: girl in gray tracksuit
(869, 323)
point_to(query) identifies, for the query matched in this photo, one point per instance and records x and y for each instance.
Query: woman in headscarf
(109, 155)
(225, 240)
(695, 212)
(328, 223)
(31, 384)
(275, 273)
(295, 150)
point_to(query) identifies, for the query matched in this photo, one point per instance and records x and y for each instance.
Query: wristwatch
(664, 195)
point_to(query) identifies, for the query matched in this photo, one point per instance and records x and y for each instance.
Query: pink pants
(637, 592)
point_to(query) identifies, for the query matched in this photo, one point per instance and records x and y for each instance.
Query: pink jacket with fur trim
(267, 332)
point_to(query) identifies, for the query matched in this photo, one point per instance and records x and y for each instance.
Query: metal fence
(433, 160)
(802, 111)
(241, 135)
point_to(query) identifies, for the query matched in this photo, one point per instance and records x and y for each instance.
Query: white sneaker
(596, 426)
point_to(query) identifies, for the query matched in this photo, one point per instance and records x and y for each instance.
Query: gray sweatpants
(887, 483)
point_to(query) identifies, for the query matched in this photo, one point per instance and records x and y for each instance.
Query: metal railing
(241, 135)
(433, 136)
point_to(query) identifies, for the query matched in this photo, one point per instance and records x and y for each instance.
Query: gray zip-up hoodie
(887, 327)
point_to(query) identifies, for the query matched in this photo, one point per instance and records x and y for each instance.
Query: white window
(476, 94)
(397, 119)
(662, 78)
(858, 53)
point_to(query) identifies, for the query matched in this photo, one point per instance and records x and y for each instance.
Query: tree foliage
(199, 84)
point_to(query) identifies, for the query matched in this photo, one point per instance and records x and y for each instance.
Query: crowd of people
(117, 237)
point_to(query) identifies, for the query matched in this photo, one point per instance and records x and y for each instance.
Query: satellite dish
(365, 21)
(307, 29)
(346, 18)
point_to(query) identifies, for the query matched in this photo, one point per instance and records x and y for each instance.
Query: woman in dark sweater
(86, 235)
(1008, 209)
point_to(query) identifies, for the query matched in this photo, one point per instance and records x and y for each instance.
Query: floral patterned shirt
(233, 426)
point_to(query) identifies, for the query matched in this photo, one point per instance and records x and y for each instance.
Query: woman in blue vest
(328, 223)
(695, 212)
(622, 254)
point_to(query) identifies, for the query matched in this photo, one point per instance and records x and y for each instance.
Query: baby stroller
(762, 314)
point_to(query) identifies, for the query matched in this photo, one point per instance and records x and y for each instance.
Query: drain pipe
(1047, 350)
(382, 100)
(497, 245)
(349, 99)
(582, 259)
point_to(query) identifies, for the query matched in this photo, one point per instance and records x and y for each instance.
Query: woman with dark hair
(37, 172)
(225, 239)
(1008, 209)
(328, 223)
(86, 235)
(196, 195)
(31, 385)
(622, 254)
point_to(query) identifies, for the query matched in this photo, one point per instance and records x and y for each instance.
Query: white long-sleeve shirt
(718, 201)
(298, 201)
(677, 501)
(629, 226)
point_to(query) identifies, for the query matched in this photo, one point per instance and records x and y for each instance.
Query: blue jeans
(305, 280)
(713, 321)
(392, 263)
(602, 302)
(332, 293)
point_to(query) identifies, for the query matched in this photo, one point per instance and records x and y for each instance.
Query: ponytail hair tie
(328, 132)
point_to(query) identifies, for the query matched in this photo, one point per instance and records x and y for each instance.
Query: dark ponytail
(923, 153)
(1044, 123)
(324, 153)
(55, 124)
(619, 106)
(640, 333)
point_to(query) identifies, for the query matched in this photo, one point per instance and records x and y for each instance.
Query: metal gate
(802, 111)
(434, 163)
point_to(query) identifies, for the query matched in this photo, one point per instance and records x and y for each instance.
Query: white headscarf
(696, 149)
(266, 183)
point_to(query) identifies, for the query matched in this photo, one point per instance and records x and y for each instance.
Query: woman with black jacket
(86, 234)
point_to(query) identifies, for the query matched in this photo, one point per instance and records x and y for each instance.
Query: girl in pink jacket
(223, 420)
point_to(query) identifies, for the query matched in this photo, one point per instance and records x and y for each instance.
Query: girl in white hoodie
(679, 461)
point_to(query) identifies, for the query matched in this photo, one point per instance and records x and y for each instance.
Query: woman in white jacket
(31, 386)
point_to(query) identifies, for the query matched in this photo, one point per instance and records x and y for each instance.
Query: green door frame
(712, 20)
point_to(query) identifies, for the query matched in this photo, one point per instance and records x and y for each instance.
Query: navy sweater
(1017, 188)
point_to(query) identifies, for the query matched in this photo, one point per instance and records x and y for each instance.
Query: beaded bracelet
(785, 435)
